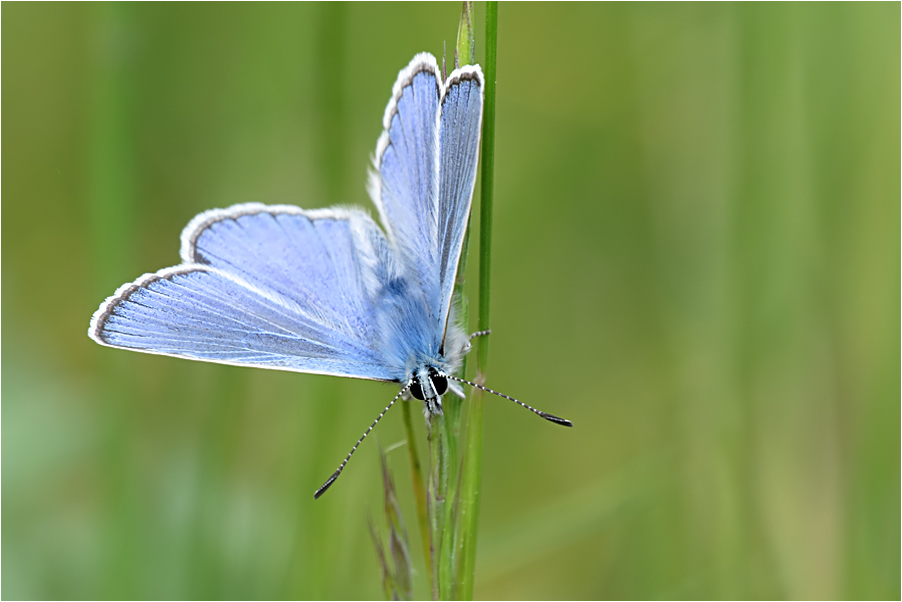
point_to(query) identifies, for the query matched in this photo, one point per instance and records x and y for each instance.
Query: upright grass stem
(437, 492)
(419, 487)
(471, 471)
(464, 54)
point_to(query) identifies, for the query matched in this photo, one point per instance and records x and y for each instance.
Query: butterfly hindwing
(309, 257)
(460, 126)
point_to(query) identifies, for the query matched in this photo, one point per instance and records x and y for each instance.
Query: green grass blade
(419, 488)
(488, 182)
(471, 471)
(436, 494)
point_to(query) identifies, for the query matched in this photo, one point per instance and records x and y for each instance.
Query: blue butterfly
(328, 291)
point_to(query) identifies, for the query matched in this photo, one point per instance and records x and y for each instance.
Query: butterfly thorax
(415, 341)
(429, 377)
(424, 352)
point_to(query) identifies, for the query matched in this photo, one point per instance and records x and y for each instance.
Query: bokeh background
(696, 259)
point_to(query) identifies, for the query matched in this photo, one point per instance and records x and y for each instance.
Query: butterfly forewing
(404, 186)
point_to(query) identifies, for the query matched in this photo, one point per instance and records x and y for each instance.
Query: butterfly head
(428, 385)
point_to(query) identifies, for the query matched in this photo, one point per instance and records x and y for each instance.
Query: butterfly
(329, 291)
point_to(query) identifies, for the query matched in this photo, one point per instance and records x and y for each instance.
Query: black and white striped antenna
(545, 415)
(344, 462)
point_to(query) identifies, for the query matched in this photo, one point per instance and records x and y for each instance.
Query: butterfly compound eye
(439, 382)
(416, 390)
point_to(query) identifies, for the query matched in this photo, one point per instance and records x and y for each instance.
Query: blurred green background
(696, 259)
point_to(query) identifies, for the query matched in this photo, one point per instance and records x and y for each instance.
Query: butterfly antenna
(344, 463)
(545, 415)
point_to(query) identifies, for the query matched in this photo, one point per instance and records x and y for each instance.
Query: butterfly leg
(479, 333)
(457, 390)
